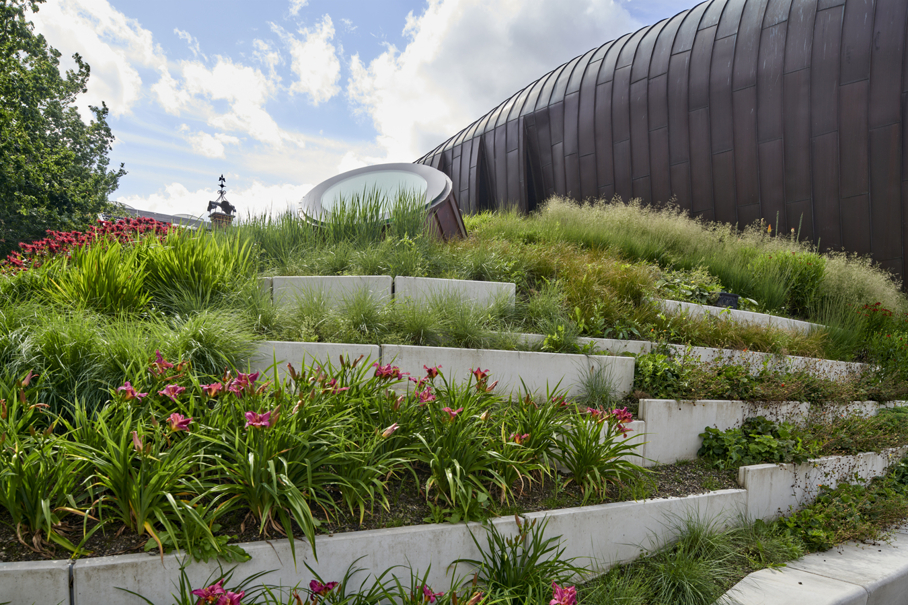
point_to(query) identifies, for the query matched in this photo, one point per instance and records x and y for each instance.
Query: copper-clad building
(741, 109)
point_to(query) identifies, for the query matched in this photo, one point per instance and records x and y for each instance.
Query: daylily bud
(485, 415)
(390, 430)
(399, 401)
(154, 422)
(357, 360)
(136, 442)
(3, 409)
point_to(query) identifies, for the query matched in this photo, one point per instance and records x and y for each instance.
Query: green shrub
(659, 376)
(757, 441)
(802, 273)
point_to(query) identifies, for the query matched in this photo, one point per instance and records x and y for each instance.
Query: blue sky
(279, 95)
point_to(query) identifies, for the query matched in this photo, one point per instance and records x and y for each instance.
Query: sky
(279, 95)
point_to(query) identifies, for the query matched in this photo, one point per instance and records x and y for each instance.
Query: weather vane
(224, 216)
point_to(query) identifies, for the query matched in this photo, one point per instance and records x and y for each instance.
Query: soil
(407, 506)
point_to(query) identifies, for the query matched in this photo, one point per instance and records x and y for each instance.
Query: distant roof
(186, 220)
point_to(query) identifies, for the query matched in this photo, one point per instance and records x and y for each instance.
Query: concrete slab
(794, 587)
(301, 354)
(881, 569)
(480, 293)
(336, 289)
(35, 582)
(602, 534)
(674, 427)
(538, 371)
(762, 319)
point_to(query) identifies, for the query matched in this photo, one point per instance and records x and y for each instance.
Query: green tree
(53, 166)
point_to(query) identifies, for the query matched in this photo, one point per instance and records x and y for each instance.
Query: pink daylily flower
(212, 390)
(452, 413)
(231, 598)
(130, 392)
(173, 391)
(519, 439)
(317, 589)
(178, 422)
(388, 372)
(160, 365)
(428, 595)
(255, 419)
(622, 415)
(566, 595)
(431, 373)
(209, 594)
(426, 396)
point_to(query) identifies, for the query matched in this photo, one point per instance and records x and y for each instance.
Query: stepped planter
(761, 319)
(335, 289)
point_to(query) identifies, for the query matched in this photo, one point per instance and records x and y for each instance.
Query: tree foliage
(53, 166)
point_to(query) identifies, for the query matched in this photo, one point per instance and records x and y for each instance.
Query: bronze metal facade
(740, 109)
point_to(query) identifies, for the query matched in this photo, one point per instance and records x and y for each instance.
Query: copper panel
(556, 124)
(885, 191)
(823, 4)
(623, 169)
(639, 130)
(642, 189)
(776, 12)
(724, 187)
(588, 188)
(605, 171)
(772, 179)
(886, 60)
(853, 134)
(699, 68)
(684, 39)
(720, 101)
(546, 93)
(558, 180)
(797, 135)
(799, 45)
(681, 184)
(800, 213)
(826, 189)
(747, 181)
(544, 137)
(748, 215)
(586, 118)
(712, 14)
(644, 55)
(905, 138)
(657, 96)
(558, 91)
(572, 176)
(621, 90)
(824, 71)
(769, 84)
(892, 264)
(857, 34)
(607, 192)
(512, 195)
(607, 71)
(571, 115)
(663, 50)
(660, 175)
(626, 56)
(731, 18)
(700, 160)
(679, 148)
(512, 136)
(855, 213)
(579, 72)
(529, 106)
(500, 164)
(747, 49)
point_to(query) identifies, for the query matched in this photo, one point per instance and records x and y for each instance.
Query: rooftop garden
(130, 422)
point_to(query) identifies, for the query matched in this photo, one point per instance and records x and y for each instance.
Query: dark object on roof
(222, 203)
(388, 181)
(741, 109)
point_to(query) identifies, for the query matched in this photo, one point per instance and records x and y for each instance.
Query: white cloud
(348, 25)
(112, 44)
(464, 57)
(265, 53)
(192, 42)
(208, 145)
(314, 60)
(257, 198)
(296, 5)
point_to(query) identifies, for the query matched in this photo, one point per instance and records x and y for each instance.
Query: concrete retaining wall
(760, 319)
(673, 427)
(305, 353)
(600, 535)
(774, 489)
(35, 582)
(336, 289)
(480, 293)
(538, 371)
